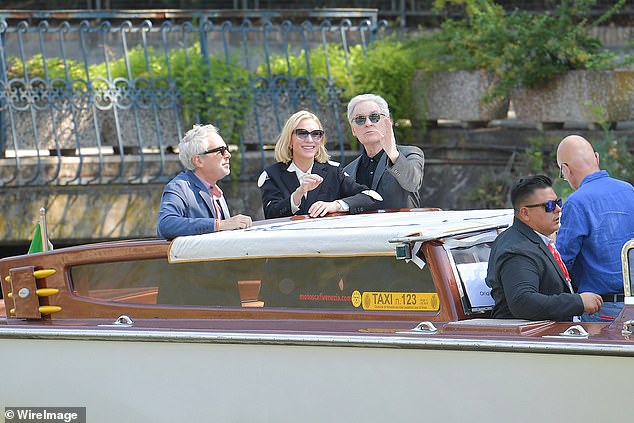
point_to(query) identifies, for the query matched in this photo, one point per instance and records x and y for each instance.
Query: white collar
(544, 238)
(300, 173)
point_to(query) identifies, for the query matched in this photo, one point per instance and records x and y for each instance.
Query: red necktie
(559, 261)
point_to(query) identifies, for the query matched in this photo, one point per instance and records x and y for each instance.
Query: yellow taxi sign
(397, 301)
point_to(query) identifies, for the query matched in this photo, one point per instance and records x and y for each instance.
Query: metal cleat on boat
(627, 328)
(425, 327)
(576, 331)
(121, 321)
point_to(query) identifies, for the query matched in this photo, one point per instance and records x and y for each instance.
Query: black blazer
(399, 183)
(525, 279)
(277, 189)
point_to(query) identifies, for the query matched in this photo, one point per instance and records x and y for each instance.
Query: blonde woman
(303, 181)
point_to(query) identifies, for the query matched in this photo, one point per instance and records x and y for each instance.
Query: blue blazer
(186, 208)
(399, 183)
(277, 189)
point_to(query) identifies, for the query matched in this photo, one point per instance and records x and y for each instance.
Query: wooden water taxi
(345, 318)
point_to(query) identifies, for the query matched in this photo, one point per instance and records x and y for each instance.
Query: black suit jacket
(277, 189)
(399, 183)
(525, 279)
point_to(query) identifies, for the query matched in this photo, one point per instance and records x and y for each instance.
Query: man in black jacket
(526, 273)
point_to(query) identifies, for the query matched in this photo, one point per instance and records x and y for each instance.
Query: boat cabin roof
(364, 234)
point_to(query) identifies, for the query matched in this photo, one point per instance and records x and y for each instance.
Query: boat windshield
(471, 263)
(352, 283)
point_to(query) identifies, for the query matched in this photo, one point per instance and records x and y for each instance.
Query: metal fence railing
(107, 100)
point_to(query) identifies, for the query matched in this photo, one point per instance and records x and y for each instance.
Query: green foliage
(615, 157)
(210, 91)
(329, 61)
(522, 48)
(35, 67)
(546, 45)
(141, 69)
(387, 70)
(465, 44)
(54, 68)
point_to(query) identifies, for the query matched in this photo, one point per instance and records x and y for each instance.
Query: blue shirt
(596, 220)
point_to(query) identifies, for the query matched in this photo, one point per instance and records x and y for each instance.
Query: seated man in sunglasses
(303, 181)
(394, 171)
(527, 277)
(192, 203)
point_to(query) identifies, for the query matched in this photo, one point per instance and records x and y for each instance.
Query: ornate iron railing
(106, 101)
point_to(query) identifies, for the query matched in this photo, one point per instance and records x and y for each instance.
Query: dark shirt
(367, 167)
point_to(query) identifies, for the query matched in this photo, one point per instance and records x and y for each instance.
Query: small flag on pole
(40, 241)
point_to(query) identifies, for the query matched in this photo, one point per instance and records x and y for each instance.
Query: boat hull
(235, 378)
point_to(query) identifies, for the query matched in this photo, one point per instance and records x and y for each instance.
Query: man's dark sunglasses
(550, 205)
(374, 118)
(303, 134)
(222, 150)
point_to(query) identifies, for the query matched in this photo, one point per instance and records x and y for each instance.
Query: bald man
(596, 220)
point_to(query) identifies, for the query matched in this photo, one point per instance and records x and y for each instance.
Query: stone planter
(577, 96)
(456, 95)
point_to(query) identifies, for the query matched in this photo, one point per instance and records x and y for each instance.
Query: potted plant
(518, 52)
(556, 72)
(458, 65)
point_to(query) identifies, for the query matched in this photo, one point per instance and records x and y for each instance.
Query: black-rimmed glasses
(222, 150)
(374, 118)
(549, 205)
(303, 134)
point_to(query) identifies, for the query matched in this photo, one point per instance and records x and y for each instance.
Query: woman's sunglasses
(550, 205)
(374, 118)
(303, 134)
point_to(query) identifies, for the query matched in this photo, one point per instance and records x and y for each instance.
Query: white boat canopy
(363, 234)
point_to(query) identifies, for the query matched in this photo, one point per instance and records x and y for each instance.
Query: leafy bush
(212, 90)
(209, 91)
(387, 70)
(546, 45)
(56, 68)
(464, 44)
(522, 48)
(141, 69)
(324, 62)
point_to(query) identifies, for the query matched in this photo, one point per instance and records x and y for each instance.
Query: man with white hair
(596, 220)
(394, 171)
(192, 203)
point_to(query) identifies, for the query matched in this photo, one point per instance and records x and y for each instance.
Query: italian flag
(39, 241)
